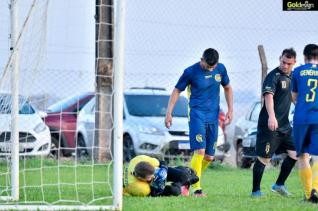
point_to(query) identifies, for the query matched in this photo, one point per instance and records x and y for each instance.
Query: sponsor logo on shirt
(217, 77)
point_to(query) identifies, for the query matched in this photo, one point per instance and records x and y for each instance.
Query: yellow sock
(315, 175)
(205, 164)
(305, 176)
(196, 164)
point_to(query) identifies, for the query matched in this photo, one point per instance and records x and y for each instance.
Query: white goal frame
(119, 43)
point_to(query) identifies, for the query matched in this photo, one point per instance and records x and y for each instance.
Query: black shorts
(269, 142)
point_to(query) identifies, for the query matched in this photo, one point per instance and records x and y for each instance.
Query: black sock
(285, 170)
(258, 171)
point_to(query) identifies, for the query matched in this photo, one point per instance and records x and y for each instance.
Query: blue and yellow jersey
(305, 83)
(203, 90)
(133, 186)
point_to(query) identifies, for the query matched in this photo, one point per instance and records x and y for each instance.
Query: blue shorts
(306, 138)
(203, 135)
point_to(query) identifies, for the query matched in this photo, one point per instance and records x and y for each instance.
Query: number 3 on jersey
(312, 83)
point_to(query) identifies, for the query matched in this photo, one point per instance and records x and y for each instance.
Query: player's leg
(313, 150)
(287, 145)
(197, 144)
(305, 174)
(174, 189)
(183, 177)
(302, 148)
(206, 161)
(211, 139)
(264, 151)
(314, 169)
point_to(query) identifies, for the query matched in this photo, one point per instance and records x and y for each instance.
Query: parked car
(61, 119)
(245, 137)
(144, 131)
(34, 135)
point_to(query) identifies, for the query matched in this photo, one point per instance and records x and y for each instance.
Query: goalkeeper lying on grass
(147, 176)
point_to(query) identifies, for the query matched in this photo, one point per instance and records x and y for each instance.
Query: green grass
(65, 180)
(228, 188)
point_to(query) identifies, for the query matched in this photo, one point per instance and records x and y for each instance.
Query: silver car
(245, 136)
(144, 130)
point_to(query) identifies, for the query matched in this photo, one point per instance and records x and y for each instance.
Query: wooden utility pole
(104, 79)
(262, 57)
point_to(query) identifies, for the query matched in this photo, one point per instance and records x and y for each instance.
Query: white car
(34, 135)
(144, 130)
(245, 135)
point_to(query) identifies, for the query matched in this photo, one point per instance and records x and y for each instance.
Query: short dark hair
(143, 169)
(289, 53)
(311, 51)
(211, 56)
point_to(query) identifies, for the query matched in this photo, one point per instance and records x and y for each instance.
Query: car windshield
(66, 103)
(6, 105)
(155, 105)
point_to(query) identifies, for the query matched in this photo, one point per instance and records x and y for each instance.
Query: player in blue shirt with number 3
(304, 93)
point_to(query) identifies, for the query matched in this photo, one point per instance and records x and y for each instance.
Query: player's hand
(228, 117)
(272, 123)
(168, 120)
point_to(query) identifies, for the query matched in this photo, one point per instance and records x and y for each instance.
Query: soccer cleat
(280, 189)
(313, 196)
(199, 193)
(257, 194)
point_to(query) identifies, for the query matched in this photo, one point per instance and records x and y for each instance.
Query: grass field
(229, 188)
(63, 182)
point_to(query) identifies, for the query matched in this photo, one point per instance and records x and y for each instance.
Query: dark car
(61, 119)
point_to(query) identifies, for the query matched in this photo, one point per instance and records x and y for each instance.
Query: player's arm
(269, 104)
(172, 101)
(228, 92)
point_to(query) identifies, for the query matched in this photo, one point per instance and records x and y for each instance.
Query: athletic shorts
(203, 135)
(269, 142)
(306, 138)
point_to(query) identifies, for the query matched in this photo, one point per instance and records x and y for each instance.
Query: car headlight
(149, 130)
(40, 127)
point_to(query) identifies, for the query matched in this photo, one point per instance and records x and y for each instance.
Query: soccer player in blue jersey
(203, 80)
(304, 88)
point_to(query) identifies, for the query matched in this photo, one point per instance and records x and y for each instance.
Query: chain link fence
(162, 39)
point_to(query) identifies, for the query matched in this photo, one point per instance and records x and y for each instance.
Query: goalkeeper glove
(159, 182)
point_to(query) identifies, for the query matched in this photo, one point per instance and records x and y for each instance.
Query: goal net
(60, 166)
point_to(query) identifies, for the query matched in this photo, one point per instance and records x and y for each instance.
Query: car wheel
(128, 149)
(81, 150)
(242, 162)
(55, 148)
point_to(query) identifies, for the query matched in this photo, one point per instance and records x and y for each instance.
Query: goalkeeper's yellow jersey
(133, 186)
